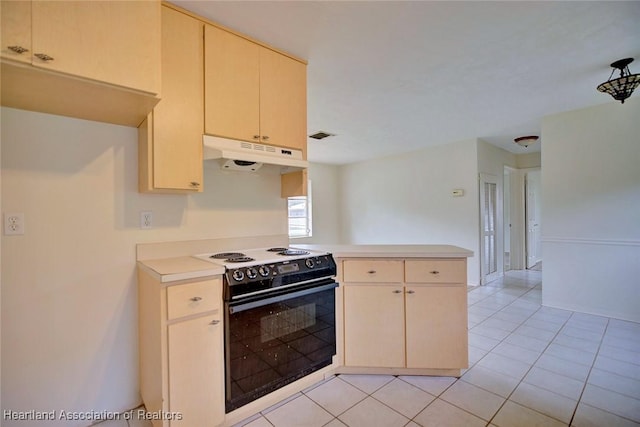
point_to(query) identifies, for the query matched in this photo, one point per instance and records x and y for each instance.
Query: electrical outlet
(146, 220)
(13, 224)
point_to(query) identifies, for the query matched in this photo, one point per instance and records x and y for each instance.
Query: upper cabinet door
(283, 100)
(178, 117)
(232, 85)
(15, 33)
(116, 42)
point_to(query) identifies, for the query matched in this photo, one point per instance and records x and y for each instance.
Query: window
(299, 209)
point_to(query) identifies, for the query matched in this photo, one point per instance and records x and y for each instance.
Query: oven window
(277, 343)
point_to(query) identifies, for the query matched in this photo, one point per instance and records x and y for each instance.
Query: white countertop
(390, 251)
(187, 267)
(180, 268)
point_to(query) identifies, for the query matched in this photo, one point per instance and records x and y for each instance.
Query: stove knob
(309, 263)
(238, 275)
(251, 273)
(263, 270)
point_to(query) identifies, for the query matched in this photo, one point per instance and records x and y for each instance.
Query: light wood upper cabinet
(170, 140)
(253, 93)
(283, 101)
(232, 86)
(109, 41)
(15, 33)
(95, 60)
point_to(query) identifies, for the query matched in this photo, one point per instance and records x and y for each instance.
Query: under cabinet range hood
(250, 156)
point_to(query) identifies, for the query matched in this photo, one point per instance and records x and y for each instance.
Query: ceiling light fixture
(622, 87)
(525, 141)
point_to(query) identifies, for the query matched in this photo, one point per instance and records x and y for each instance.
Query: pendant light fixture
(622, 87)
(525, 141)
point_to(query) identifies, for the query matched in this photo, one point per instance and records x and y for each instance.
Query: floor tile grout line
(586, 381)
(528, 370)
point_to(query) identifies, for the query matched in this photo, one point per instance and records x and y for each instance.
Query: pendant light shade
(525, 141)
(622, 87)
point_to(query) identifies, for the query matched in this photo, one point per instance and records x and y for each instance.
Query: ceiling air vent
(321, 135)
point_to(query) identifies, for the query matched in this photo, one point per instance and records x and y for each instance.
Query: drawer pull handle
(411, 292)
(18, 49)
(397, 291)
(43, 56)
(196, 299)
(371, 272)
(214, 322)
(434, 272)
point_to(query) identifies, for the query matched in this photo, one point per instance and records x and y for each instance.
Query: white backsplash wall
(69, 292)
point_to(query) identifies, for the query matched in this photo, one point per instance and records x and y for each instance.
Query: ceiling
(395, 76)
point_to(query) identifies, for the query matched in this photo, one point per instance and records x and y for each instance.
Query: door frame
(485, 178)
(527, 237)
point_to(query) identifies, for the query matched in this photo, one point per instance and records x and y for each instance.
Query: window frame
(307, 214)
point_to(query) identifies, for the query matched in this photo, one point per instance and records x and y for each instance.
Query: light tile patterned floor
(529, 366)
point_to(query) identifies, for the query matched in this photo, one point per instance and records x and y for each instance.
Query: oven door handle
(282, 297)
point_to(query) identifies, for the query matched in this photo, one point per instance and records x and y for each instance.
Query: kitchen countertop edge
(179, 268)
(389, 251)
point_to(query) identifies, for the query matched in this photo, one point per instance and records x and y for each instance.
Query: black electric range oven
(279, 319)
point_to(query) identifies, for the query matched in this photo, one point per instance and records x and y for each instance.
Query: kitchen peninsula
(409, 300)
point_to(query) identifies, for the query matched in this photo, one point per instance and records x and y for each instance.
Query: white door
(490, 227)
(532, 183)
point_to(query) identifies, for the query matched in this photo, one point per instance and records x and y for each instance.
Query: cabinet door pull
(371, 272)
(43, 56)
(265, 138)
(434, 272)
(397, 291)
(194, 184)
(196, 299)
(256, 136)
(214, 322)
(411, 292)
(18, 49)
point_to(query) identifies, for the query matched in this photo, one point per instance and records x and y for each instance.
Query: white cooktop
(259, 256)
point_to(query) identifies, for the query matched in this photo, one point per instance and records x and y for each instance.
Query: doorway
(533, 219)
(522, 219)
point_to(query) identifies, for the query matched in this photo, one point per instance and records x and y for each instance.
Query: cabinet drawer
(436, 271)
(193, 298)
(369, 271)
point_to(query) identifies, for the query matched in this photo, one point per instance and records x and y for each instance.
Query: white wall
(407, 199)
(591, 210)
(325, 208)
(69, 293)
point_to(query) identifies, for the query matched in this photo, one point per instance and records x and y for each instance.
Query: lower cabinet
(436, 327)
(195, 358)
(374, 325)
(420, 325)
(181, 351)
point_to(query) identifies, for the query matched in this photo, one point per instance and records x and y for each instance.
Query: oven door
(274, 339)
